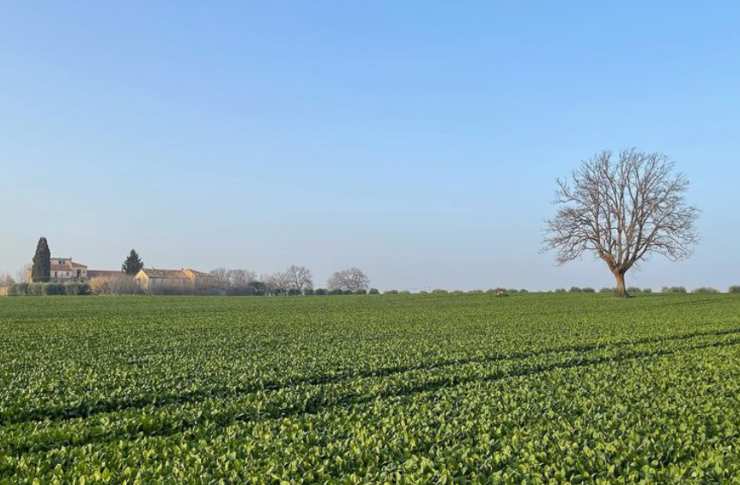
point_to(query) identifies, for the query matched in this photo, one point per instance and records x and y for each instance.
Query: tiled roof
(64, 264)
(177, 274)
(103, 273)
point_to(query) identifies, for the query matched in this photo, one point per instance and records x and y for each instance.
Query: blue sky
(419, 141)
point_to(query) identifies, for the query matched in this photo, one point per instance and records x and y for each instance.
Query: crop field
(358, 389)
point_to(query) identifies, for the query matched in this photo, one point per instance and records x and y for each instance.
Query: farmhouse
(64, 269)
(173, 280)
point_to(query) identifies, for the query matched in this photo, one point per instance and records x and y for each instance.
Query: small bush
(633, 290)
(575, 289)
(647, 290)
(523, 290)
(705, 291)
(475, 292)
(512, 291)
(374, 291)
(607, 290)
(673, 289)
(53, 289)
(308, 291)
(439, 291)
(336, 291)
(734, 289)
(561, 290)
(320, 291)
(18, 289)
(36, 289)
(360, 292)
(391, 292)
(588, 290)
(294, 292)
(75, 289)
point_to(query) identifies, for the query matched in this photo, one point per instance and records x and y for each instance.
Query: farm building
(173, 280)
(64, 269)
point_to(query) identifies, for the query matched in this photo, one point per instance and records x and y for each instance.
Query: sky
(419, 141)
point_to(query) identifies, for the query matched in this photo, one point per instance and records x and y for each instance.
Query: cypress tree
(41, 269)
(133, 264)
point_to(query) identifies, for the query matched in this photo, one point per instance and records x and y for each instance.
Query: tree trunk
(621, 289)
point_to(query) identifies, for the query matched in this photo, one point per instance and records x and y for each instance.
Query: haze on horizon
(418, 142)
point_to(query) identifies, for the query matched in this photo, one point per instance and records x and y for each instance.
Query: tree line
(295, 280)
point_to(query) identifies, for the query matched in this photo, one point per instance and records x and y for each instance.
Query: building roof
(177, 274)
(103, 273)
(65, 264)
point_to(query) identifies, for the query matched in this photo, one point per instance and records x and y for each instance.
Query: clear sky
(417, 140)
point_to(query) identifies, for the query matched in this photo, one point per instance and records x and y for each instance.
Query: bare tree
(299, 278)
(221, 275)
(240, 278)
(351, 279)
(276, 283)
(24, 275)
(6, 280)
(622, 211)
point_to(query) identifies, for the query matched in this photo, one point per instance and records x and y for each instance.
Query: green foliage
(734, 289)
(133, 264)
(588, 290)
(374, 291)
(575, 289)
(18, 289)
(673, 289)
(472, 389)
(320, 291)
(41, 268)
(705, 291)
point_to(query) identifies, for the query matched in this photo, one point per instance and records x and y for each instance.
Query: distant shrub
(523, 290)
(53, 289)
(439, 292)
(705, 290)
(512, 291)
(36, 289)
(607, 290)
(673, 289)
(647, 290)
(374, 291)
(75, 289)
(360, 292)
(734, 289)
(294, 292)
(457, 292)
(320, 291)
(336, 291)
(588, 290)
(575, 289)
(308, 291)
(475, 292)
(633, 290)
(18, 289)
(391, 292)
(348, 292)
(561, 290)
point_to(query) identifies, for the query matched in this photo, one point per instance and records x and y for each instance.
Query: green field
(406, 389)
